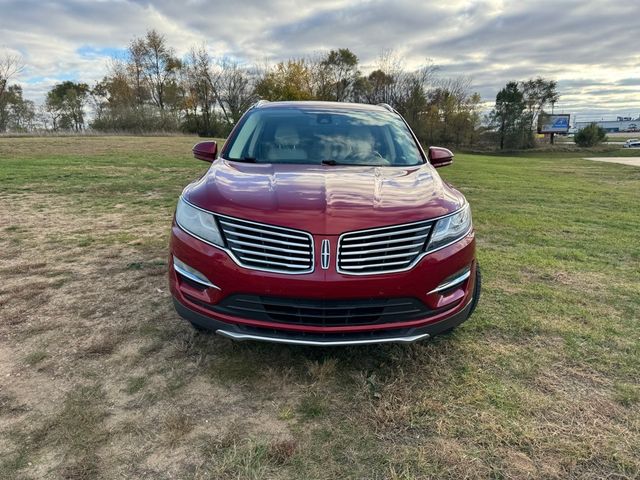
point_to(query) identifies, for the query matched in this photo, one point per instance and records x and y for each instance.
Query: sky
(590, 47)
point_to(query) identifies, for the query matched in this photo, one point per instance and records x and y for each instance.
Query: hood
(322, 199)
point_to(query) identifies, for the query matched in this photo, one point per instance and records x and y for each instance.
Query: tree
(135, 66)
(518, 106)
(508, 114)
(159, 65)
(537, 94)
(375, 88)
(199, 92)
(216, 93)
(16, 113)
(408, 94)
(452, 113)
(65, 103)
(590, 136)
(115, 101)
(286, 81)
(336, 75)
(235, 90)
(141, 91)
(10, 66)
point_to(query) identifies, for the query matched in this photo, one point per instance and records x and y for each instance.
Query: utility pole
(552, 134)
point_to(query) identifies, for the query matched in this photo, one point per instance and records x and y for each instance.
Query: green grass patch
(35, 357)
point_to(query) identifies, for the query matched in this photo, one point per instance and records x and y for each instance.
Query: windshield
(316, 136)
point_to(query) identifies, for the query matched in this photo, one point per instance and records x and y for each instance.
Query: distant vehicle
(633, 143)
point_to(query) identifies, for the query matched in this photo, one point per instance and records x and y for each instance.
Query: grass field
(99, 378)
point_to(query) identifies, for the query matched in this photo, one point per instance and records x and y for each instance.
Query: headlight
(450, 229)
(197, 222)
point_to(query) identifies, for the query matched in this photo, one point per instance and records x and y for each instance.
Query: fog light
(453, 280)
(191, 273)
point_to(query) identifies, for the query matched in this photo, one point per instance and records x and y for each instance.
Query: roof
(322, 105)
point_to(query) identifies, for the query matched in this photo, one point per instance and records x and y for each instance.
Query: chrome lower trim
(451, 283)
(317, 343)
(193, 278)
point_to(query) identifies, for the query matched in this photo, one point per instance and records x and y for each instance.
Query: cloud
(586, 46)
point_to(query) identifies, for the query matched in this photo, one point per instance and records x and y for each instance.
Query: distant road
(571, 142)
(633, 161)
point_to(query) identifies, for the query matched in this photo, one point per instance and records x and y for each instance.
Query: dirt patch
(99, 314)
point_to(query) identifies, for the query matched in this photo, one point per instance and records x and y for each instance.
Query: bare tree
(235, 89)
(135, 68)
(10, 66)
(199, 94)
(159, 66)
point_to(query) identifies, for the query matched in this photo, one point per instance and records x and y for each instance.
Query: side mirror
(207, 151)
(440, 157)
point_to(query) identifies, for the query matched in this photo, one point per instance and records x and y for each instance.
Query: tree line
(151, 89)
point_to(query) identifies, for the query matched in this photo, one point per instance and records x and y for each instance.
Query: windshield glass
(315, 136)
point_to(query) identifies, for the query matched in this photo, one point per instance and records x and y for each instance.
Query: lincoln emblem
(324, 254)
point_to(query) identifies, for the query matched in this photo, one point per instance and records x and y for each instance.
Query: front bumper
(240, 332)
(202, 306)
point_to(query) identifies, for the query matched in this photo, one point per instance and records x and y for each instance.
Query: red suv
(323, 224)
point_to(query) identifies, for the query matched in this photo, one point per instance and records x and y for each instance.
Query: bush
(590, 136)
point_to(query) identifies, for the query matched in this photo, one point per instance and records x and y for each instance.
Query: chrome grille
(382, 250)
(267, 247)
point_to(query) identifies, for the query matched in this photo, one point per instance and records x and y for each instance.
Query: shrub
(590, 136)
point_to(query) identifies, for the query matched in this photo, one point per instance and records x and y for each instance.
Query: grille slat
(263, 238)
(396, 248)
(273, 311)
(270, 255)
(246, 259)
(321, 312)
(252, 229)
(376, 265)
(377, 250)
(269, 247)
(380, 257)
(385, 242)
(358, 237)
(327, 305)
(255, 245)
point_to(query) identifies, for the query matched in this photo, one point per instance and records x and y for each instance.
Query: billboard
(553, 123)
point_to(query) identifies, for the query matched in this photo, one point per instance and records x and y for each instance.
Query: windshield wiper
(335, 162)
(244, 159)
